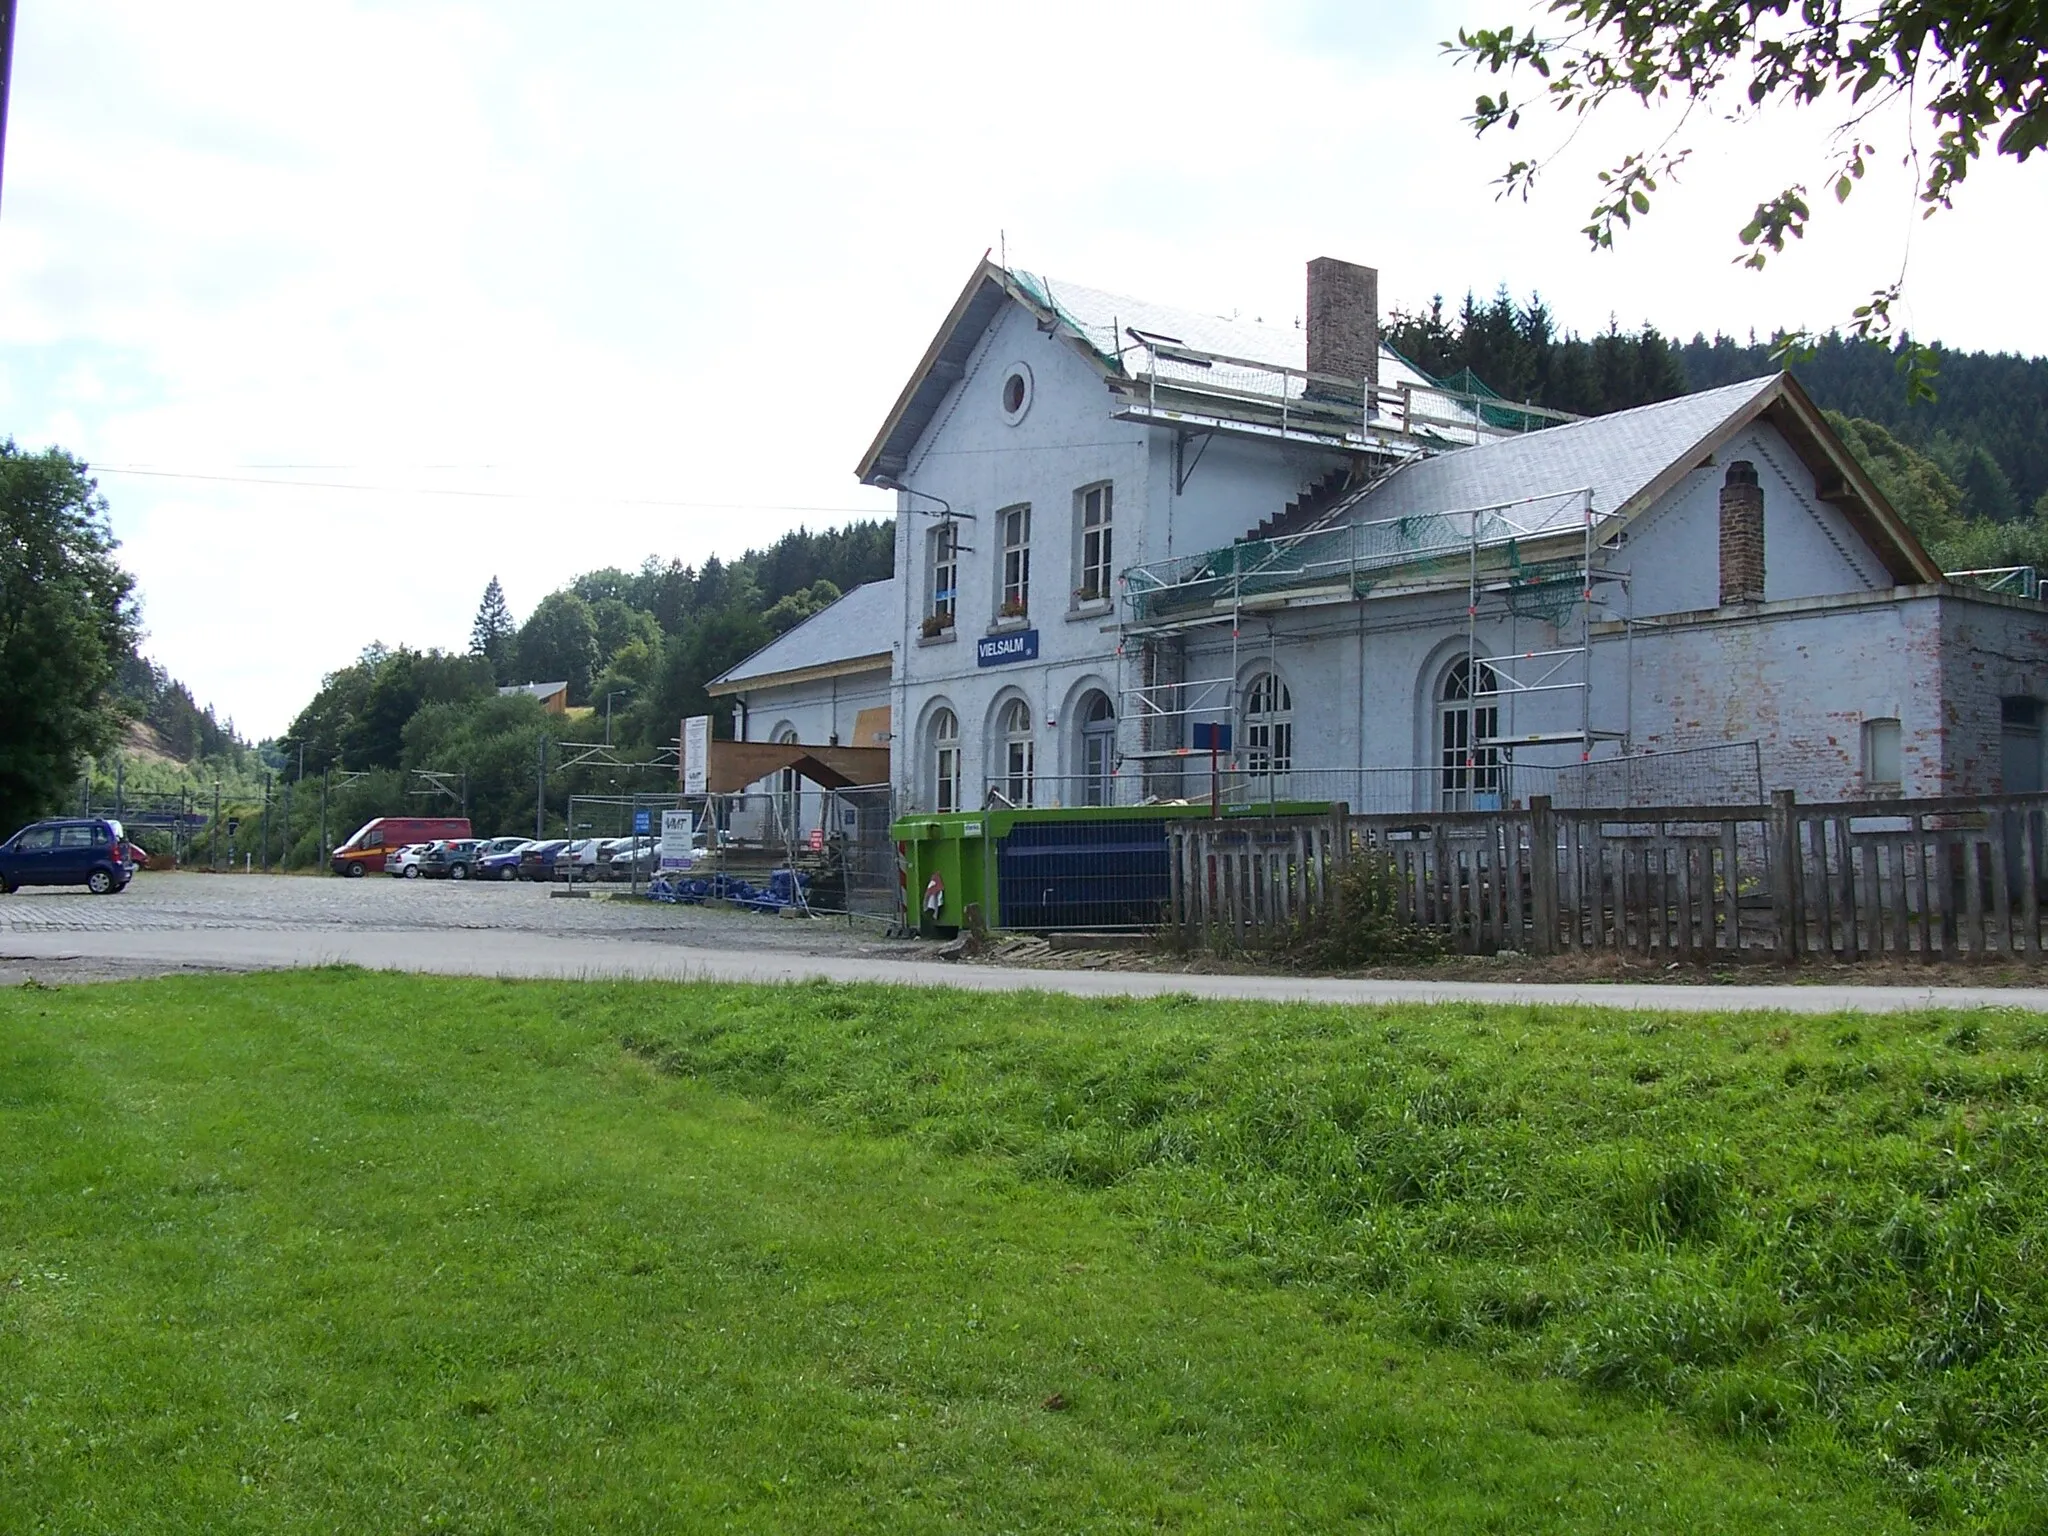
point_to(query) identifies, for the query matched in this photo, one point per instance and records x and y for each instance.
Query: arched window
(1268, 725)
(945, 761)
(1468, 721)
(788, 789)
(1098, 750)
(1020, 756)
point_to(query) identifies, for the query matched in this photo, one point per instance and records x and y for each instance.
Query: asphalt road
(168, 923)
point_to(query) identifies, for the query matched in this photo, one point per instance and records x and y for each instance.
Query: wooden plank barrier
(1913, 881)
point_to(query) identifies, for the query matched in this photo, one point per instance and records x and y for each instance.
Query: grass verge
(336, 1250)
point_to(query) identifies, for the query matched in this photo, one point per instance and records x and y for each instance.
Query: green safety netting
(1506, 416)
(1543, 589)
(1365, 556)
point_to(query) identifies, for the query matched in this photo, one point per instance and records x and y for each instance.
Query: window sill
(1015, 621)
(943, 637)
(1095, 609)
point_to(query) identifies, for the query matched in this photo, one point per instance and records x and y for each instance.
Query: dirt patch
(66, 970)
(1030, 952)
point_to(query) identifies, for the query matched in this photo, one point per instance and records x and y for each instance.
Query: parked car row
(519, 858)
(592, 858)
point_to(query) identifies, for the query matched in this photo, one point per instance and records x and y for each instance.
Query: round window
(1016, 393)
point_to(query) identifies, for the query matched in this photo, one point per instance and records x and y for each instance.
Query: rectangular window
(1013, 524)
(945, 575)
(2019, 744)
(1881, 766)
(1096, 568)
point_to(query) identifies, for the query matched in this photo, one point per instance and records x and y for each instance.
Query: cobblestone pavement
(161, 902)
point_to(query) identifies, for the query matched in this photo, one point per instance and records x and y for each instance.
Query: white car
(578, 861)
(405, 864)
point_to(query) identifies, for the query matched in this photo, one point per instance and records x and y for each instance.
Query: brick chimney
(1344, 320)
(1742, 535)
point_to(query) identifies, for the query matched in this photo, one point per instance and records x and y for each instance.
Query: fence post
(1340, 855)
(1543, 873)
(1785, 873)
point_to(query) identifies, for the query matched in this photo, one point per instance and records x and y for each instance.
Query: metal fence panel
(1724, 774)
(1093, 874)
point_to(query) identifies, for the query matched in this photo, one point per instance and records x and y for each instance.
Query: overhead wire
(476, 494)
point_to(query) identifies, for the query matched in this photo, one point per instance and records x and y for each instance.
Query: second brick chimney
(1742, 535)
(1344, 320)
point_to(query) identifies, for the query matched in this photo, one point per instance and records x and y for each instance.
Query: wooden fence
(1904, 879)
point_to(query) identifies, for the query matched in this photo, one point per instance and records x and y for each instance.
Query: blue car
(72, 850)
(499, 858)
(537, 860)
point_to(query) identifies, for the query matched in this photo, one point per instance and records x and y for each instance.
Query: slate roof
(861, 626)
(541, 691)
(1618, 456)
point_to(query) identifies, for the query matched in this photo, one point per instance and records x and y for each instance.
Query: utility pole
(120, 786)
(213, 842)
(266, 823)
(323, 817)
(284, 847)
(540, 793)
(7, 8)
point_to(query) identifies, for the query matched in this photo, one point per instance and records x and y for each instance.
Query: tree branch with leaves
(1971, 71)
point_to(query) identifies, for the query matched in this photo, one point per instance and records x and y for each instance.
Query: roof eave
(1854, 492)
(878, 466)
(874, 468)
(878, 661)
(1790, 409)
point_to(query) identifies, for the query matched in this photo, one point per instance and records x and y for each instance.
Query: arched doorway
(1468, 720)
(788, 791)
(1268, 725)
(1018, 766)
(945, 760)
(1097, 759)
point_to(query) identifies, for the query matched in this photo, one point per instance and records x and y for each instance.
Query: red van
(365, 851)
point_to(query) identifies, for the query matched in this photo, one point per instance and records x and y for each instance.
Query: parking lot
(170, 923)
(162, 903)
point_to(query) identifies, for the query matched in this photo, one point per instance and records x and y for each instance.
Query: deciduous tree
(67, 622)
(1974, 73)
(558, 642)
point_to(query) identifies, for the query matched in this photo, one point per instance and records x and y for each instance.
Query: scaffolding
(1198, 392)
(1490, 551)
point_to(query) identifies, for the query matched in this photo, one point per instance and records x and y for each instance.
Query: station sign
(1001, 650)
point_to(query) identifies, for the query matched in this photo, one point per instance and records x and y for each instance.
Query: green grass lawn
(335, 1251)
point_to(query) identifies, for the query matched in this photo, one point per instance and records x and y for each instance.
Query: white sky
(650, 273)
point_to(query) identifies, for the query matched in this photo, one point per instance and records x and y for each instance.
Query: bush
(1364, 925)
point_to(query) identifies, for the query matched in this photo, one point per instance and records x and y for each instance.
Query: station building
(1146, 553)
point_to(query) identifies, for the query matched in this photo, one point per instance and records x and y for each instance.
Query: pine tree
(491, 635)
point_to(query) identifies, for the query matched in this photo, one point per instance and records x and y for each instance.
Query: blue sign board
(1001, 650)
(643, 823)
(1211, 736)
